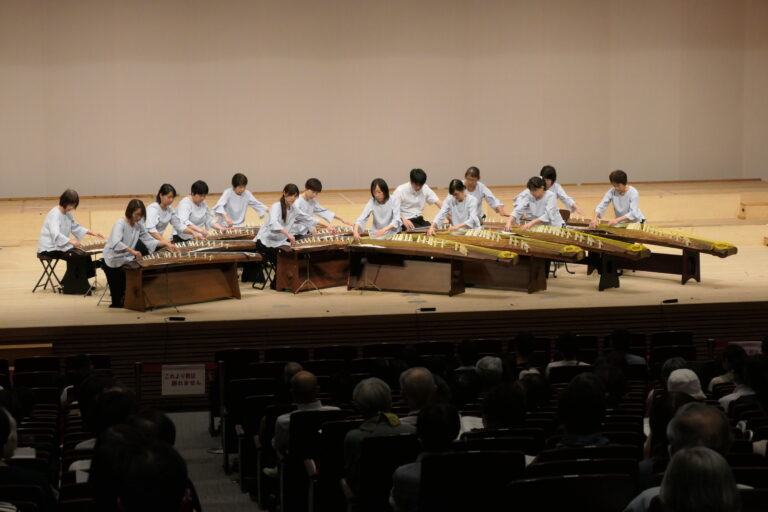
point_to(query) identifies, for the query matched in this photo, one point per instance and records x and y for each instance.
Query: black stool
(49, 273)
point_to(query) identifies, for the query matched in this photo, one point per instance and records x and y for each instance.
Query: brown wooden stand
(397, 272)
(686, 265)
(530, 274)
(310, 269)
(182, 283)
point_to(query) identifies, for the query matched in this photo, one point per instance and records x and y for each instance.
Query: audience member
(685, 381)
(614, 381)
(621, 343)
(438, 427)
(746, 373)
(525, 345)
(417, 386)
(581, 408)
(468, 356)
(373, 399)
(699, 479)
(537, 391)
(728, 358)
(568, 346)
(503, 406)
(490, 371)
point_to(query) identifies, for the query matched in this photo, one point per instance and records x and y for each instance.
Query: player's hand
(593, 223)
(356, 236)
(508, 226)
(229, 222)
(408, 225)
(292, 239)
(528, 225)
(331, 230)
(379, 233)
(173, 248)
(431, 231)
(612, 222)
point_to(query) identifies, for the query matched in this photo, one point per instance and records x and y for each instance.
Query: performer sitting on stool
(550, 178)
(121, 248)
(625, 199)
(195, 215)
(159, 215)
(307, 202)
(385, 211)
(276, 232)
(479, 191)
(234, 202)
(461, 206)
(538, 203)
(55, 241)
(412, 196)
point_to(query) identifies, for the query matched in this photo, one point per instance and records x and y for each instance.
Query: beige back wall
(118, 96)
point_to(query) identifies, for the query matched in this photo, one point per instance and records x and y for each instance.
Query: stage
(729, 303)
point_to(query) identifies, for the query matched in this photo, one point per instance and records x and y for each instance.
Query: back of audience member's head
(438, 426)
(568, 345)
(698, 424)
(670, 365)
(490, 370)
(699, 479)
(436, 364)
(581, 406)
(466, 386)
(290, 369)
(372, 396)
(537, 391)
(731, 354)
(685, 381)
(662, 412)
(155, 480)
(442, 393)
(525, 344)
(80, 368)
(304, 387)
(88, 392)
(504, 406)
(113, 407)
(752, 372)
(8, 434)
(155, 424)
(417, 386)
(614, 381)
(468, 353)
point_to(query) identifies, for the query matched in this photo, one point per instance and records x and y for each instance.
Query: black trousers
(419, 222)
(269, 254)
(116, 280)
(80, 268)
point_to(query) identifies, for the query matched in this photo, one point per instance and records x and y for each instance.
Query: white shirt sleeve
(521, 204)
(362, 220)
(397, 222)
(153, 217)
(185, 209)
(77, 230)
(600, 208)
(551, 211)
(149, 241)
(447, 203)
(473, 222)
(565, 198)
(257, 205)
(491, 199)
(275, 218)
(322, 212)
(53, 227)
(221, 205)
(115, 240)
(176, 222)
(634, 214)
(429, 194)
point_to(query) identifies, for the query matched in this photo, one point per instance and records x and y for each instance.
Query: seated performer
(160, 214)
(276, 232)
(55, 241)
(550, 178)
(307, 202)
(385, 211)
(538, 203)
(121, 248)
(461, 206)
(625, 199)
(479, 191)
(194, 214)
(235, 201)
(411, 196)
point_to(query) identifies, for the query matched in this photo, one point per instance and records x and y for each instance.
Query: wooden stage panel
(310, 269)
(395, 272)
(529, 275)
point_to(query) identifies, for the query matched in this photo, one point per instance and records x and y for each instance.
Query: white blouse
(190, 213)
(544, 209)
(561, 195)
(57, 227)
(158, 219)
(236, 205)
(482, 192)
(623, 205)
(462, 212)
(124, 236)
(270, 233)
(311, 208)
(383, 215)
(412, 202)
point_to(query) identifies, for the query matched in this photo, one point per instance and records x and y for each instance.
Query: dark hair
(535, 183)
(165, 189)
(567, 345)
(548, 173)
(379, 182)
(472, 172)
(504, 405)
(87, 394)
(133, 205)
(537, 390)
(732, 352)
(581, 406)
(662, 411)
(314, 185)
(614, 381)
(618, 177)
(112, 408)
(418, 176)
(155, 424)
(239, 180)
(456, 185)
(438, 425)
(467, 352)
(289, 190)
(69, 197)
(200, 188)
(751, 371)
(525, 343)
(155, 479)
